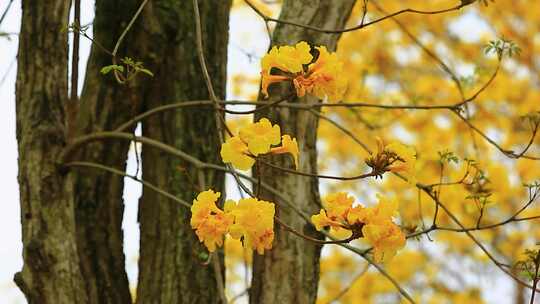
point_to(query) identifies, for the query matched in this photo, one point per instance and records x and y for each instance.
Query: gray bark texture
(105, 104)
(172, 261)
(91, 200)
(51, 272)
(289, 273)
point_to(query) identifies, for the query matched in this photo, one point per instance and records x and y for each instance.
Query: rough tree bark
(172, 260)
(289, 273)
(105, 104)
(93, 200)
(51, 272)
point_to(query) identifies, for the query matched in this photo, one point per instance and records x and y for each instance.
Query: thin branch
(491, 226)
(6, 10)
(219, 119)
(75, 53)
(500, 265)
(135, 178)
(117, 74)
(267, 18)
(206, 74)
(536, 276)
(343, 178)
(381, 270)
(426, 50)
(307, 106)
(349, 286)
(508, 153)
(314, 240)
(219, 277)
(238, 296)
(257, 109)
(128, 27)
(79, 141)
(340, 127)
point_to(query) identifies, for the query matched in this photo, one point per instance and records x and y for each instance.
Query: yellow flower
(260, 136)
(294, 58)
(338, 205)
(253, 222)
(321, 220)
(204, 204)
(267, 80)
(394, 157)
(375, 222)
(287, 59)
(288, 145)
(382, 212)
(325, 77)
(356, 215)
(234, 151)
(209, 222)
(406, 162)
(386, 239)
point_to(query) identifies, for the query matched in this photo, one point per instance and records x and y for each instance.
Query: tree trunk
(289, 273)
(89, 200)
(171, 264)
(51, 271)
(104, 105)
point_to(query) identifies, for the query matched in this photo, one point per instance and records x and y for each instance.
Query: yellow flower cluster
(373, 223)
(322, 78)
(253, 223)
(210, 222)
(250, 220)
(256, 139)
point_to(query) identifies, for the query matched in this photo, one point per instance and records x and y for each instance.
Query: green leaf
(107, 69)
(146, 71)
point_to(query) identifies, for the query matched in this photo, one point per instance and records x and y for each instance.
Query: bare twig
(343, 178)
(267, 18)
(117, 75)
(75, 53)
(219, 119)
(135, 178)
(219, 277)
(350, 285)
(6, 10)
(314, 240)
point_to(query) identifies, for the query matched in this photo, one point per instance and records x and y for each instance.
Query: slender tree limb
(314, 240)
(75, 52)
(267, 18)
(220, 120)
(79, 141)
(219, 277)
(343, 178)
(117, 75)
(426, 50)
(128, 27)
(342, 292)
(133, 177)
(6, 10)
